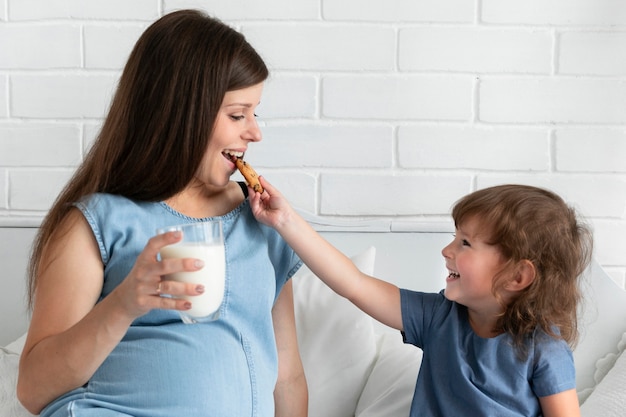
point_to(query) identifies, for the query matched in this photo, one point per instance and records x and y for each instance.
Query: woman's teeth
(233, 155)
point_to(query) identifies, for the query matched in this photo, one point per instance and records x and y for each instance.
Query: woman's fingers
(172, 289)
(143, 288)
(173, 265)
(177, 304)
(155, 243)
(178, 288)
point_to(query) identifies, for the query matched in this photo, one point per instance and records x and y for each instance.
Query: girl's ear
(523, 276)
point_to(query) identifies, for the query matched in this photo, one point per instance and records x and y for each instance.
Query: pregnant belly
(176, 371)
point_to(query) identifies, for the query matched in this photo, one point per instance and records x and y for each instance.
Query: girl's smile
(452, 276)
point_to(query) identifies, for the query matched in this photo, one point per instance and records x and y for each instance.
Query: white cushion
(389, 389)
(17, 345)
(608, 398)
(337, 342)
(9, 405)
(602, 323)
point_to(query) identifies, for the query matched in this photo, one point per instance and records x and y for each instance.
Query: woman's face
(235, 128)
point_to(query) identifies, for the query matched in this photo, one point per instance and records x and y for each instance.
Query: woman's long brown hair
(161, 116)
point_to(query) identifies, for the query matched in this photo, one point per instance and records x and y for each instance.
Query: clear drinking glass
(205, 241)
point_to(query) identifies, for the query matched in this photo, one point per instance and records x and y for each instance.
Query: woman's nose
(253, 132)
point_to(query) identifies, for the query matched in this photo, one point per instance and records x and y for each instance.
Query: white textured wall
(383, 110)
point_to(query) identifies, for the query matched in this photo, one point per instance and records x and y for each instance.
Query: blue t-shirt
(463, 374)
(163, 367)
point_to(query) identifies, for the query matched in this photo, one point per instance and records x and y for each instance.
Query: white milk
(212, 275)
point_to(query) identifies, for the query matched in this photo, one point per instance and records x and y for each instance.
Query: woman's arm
(375, 297)
(290, 394)
(69, 334)
(563, 404)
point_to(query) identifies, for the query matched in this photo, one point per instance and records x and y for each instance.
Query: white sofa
(355, 366)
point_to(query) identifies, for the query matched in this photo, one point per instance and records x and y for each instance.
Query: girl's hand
(269, 207)
(141, 290)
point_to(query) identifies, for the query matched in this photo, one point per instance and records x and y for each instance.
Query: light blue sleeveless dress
(164, 367)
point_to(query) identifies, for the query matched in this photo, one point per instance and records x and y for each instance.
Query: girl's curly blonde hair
(530, 223)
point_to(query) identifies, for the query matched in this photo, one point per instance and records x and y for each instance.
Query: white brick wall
(375, 110)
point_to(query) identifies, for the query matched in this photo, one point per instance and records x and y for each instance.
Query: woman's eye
(237, 117)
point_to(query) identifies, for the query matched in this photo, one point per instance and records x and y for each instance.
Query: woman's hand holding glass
(141, 291)
(201, 241)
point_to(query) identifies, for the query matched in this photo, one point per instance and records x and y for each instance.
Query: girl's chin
(449, 294)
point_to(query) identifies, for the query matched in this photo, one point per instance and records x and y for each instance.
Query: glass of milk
(205, 241)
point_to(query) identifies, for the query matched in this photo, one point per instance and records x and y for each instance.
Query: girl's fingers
(270, 189)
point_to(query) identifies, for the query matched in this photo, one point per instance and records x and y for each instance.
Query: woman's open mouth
(232, 155)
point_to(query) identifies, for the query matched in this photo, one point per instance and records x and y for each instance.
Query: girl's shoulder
(543, 342)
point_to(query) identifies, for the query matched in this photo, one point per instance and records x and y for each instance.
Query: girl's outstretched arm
(378, 298)
(563, 404)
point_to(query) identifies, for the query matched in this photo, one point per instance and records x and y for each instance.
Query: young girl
(102, 341)
(497, 340)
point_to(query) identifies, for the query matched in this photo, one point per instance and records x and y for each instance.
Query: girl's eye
(465, 242)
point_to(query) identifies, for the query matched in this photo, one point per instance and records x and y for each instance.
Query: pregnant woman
(102, 340)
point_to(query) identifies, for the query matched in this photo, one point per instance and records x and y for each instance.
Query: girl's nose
(446, 251)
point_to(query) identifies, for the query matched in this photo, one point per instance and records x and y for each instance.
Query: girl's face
(472, 264)
(235, 128)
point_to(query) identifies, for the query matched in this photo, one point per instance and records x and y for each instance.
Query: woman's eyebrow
(238, 105)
